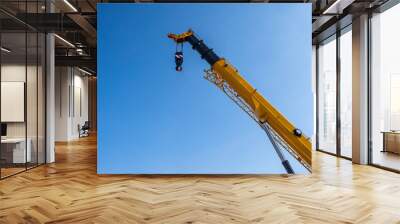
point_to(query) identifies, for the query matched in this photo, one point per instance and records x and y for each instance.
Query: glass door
(14, 153)
(22, 91)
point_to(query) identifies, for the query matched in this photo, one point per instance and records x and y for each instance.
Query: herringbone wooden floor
(70, 191)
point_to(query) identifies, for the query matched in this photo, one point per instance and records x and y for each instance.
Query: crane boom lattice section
(278, 143)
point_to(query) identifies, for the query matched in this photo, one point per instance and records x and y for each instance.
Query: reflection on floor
(8, 170)
(386, 159)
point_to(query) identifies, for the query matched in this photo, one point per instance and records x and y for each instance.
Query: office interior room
(27, 61)
(48, 105)
(22, 100)
(337, 87)
(335, 91)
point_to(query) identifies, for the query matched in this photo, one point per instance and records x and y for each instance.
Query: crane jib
(281, 133)
(205, 52)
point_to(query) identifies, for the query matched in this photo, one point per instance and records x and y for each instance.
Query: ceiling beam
(86, 26)
(337, 6)
(81, 61)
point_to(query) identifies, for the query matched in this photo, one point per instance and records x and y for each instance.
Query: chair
(84, 129)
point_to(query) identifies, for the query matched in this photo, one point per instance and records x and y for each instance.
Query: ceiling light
(5, 50)
(84, 71)
(70, 5)
(65, 41)
(79, 51)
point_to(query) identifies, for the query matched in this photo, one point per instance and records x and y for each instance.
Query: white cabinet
(19, 155)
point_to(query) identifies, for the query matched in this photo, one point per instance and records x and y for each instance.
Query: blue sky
(155, 120)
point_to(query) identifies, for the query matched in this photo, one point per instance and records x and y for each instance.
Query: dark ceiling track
(41, 22)
(77, 61)
(51, 22)
(14, 19)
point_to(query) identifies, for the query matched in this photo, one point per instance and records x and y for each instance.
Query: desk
(16, 153)
(391, 141)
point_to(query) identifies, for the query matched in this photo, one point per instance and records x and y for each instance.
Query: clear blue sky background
(155, 120)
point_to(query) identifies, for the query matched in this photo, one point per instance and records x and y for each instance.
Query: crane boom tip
(180, 37)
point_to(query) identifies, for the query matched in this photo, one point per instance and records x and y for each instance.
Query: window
(385, 89)
(327, 95)
(346, 92)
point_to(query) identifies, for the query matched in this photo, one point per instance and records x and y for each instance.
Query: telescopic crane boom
(281, 133)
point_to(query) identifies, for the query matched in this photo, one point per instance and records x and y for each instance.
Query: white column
(360, 90)
(50, 92)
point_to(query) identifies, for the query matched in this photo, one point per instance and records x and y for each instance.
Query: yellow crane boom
(281, 133)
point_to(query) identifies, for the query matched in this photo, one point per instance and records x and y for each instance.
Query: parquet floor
(70, 191)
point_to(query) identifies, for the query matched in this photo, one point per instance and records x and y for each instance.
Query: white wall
(16, 72)
(62, 82)
(33, 127)
(80, 110)
(71, 102)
